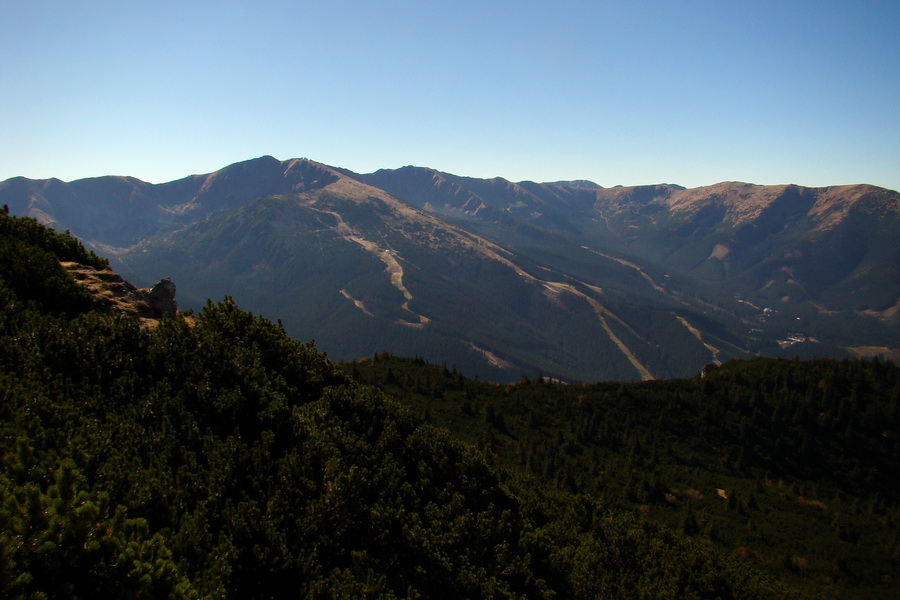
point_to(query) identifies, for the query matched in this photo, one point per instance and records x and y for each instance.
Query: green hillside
(790, 465)
(217, 457)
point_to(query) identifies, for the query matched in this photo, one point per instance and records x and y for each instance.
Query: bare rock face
(162, 297)
(114, 295)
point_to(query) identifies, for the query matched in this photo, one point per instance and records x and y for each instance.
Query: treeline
(220, 458)
(30, 255)
(787, 464)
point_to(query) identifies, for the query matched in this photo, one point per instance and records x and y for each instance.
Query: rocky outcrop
(113, 295)
(162, 297)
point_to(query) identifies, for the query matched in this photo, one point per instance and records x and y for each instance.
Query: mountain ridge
(504, 278)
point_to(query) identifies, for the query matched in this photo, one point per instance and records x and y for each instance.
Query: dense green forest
(217, 457)
(789, 464)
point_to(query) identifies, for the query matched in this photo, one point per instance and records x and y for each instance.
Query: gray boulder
(162, 297)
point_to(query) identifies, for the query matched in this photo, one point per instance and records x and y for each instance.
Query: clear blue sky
(689, 92)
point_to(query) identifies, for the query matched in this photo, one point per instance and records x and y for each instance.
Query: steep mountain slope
(821, 260)
(118, 212)
(360, 271)
(836, 246)
(829, 245)
(500, 278)
(498, 201)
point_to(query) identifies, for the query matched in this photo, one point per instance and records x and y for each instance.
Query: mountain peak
(576, 183)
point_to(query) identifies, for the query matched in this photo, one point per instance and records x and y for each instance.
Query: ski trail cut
(631, 265)
(601, 313)
(357, 303)
(696, 333)
(392, 266)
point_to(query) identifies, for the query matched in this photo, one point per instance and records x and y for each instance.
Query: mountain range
(567, 279)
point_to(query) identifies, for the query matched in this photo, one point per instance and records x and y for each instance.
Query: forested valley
(787, 464)
(214, 456)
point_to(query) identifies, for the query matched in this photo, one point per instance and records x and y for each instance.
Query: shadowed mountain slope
(821, 260)
(834, 246)
(500, 278)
